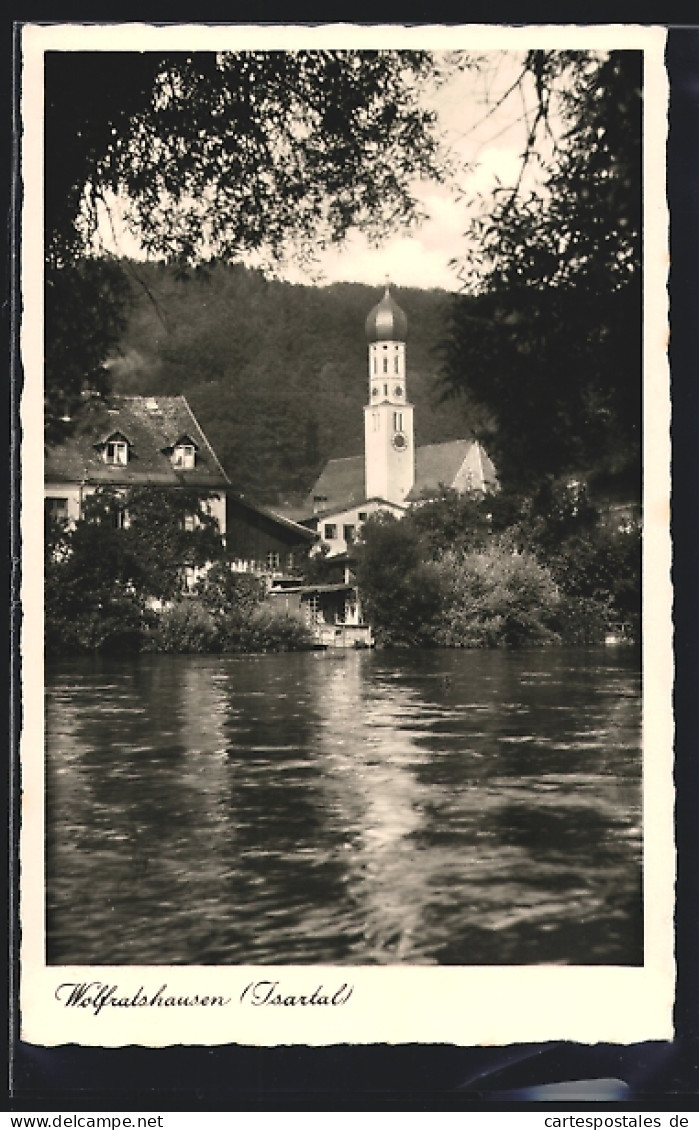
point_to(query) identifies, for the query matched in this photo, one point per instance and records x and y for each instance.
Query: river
(346, 808)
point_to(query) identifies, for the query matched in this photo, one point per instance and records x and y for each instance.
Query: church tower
(389, 450)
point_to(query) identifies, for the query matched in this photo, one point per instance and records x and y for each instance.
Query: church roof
(460, 463)
(341, 482)
(386, 322)
(151, 426)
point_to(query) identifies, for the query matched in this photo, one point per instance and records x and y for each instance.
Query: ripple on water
(423, 808)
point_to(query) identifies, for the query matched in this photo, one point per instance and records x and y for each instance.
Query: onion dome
(386, 322)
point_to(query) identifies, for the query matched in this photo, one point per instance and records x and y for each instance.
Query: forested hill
(276, 373)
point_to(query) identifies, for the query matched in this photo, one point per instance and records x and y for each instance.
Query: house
(260, 541)
(461, 465)
(392, 474)
(332, 612)
(131, 441)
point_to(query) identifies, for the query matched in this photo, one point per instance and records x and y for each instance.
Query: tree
(218, 154)
(401, 591)
(450, 519)
(101, 574)
(508, 571)
(86, 305)
(494, 598)
(169, 530)
(91, 586)
(549, 340)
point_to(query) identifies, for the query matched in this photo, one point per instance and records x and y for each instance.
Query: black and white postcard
(346, 643)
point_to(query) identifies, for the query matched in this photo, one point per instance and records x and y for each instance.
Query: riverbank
(188, 626)
(455, 572)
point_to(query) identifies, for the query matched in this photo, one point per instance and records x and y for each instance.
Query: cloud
(421, 257)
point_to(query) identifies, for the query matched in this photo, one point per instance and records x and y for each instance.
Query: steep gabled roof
(340, 484)
(153, 426)
(460, 463)
(237, 502)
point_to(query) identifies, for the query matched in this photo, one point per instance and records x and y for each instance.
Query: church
(392, 474)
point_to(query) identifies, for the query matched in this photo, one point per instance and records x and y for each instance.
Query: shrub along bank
(504, 571)
(454, 572)
(107, 590)
(225, 614)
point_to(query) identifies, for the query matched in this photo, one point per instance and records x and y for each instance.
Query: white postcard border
(464, 1006)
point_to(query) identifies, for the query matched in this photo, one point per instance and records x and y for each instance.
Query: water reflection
(368, 769)
(356, 808)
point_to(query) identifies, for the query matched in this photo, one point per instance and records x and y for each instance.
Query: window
(385, 390)
(119, 517)
(376, 421)
(348, 533)
(272, 560)
(330, 532)
(290, 560)
(395, 363)
(183, 456)
(190, 522)
(374, 365)
(56, 508)
(362, 516)
(398, 421)
(116, 452)
(385, 364)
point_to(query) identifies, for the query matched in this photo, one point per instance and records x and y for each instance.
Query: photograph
(345, 365)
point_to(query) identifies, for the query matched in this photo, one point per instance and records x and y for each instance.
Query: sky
(487, 147)
(490, 143)
(491, 147)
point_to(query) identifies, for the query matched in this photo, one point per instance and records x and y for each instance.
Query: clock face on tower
(400, 441)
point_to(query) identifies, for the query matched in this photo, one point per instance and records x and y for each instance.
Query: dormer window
(184, 454)
(116, 451)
